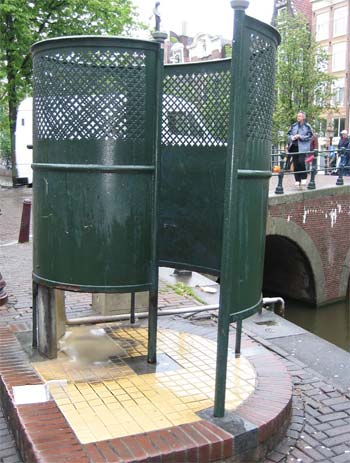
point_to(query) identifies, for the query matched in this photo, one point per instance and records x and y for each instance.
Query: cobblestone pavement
(320, 426)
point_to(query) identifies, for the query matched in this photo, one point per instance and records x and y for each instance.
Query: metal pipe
(274, 300)
(278, 304)
(194, 309)
(122, 317)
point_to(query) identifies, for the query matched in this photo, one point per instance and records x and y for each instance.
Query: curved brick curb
(269, 408)
(43, 435)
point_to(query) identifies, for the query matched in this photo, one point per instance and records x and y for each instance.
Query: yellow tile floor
(109, 400)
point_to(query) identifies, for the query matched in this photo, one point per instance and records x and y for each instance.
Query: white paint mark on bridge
(306, 213)
(333, 215)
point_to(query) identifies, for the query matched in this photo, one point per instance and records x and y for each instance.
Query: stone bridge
(308, 241)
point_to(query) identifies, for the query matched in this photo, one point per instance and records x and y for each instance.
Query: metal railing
(341, 167)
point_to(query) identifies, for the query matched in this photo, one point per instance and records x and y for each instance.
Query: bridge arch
(294, 267)
(344, 285)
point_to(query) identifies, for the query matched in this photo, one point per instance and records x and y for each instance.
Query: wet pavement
(319, 429)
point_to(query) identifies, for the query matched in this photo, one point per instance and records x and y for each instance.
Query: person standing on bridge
(344, 144)
(299, 139)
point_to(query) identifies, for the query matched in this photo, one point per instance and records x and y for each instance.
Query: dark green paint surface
(191, 217)
(95, 163)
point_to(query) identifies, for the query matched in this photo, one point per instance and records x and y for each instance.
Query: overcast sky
(213, 17)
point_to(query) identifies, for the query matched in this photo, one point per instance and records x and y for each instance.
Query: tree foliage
(24, 22)
(302, 82)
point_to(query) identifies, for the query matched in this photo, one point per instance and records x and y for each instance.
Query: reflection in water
(331, 322)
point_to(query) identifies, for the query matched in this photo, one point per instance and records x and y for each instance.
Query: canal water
(331, 322)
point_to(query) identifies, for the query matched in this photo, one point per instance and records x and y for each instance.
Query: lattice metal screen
(260, 86)
(89, 93)
(196, 103)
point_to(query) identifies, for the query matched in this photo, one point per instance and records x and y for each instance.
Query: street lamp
(330, 133)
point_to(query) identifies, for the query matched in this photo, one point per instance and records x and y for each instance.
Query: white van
(23, 138)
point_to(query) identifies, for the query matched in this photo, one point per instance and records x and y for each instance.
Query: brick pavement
(8, 451)
(319, 431)
(320, 427)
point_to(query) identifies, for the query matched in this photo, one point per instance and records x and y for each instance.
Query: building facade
(329, 21)
(293, 7)
(330, 24)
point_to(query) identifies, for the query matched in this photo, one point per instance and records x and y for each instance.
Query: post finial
(239, 4)
(159, 36)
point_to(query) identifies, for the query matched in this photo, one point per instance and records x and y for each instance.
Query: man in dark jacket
(299, 138)
(344, 143)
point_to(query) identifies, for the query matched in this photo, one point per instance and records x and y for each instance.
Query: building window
(322, 57)
(177, 53)
(322, 26)
(338, 92)
(338, 125)
(282, 15)
(320, 127)
(338, 56)
(340, 21)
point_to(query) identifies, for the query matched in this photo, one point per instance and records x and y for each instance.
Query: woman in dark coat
(299, 139)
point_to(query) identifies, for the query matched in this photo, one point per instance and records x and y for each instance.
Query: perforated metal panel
(260, 86)
(89, 93)
(95, 163)
(253, 100)
(196, 105)
(195, 143)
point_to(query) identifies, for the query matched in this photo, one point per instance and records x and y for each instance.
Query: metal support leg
(152, 327)
(221, 366)
(35, 315)
(46, 322)
(238, 336)
(132, 309)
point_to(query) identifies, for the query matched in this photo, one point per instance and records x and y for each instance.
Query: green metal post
(229, 273)
(153, 295)
(132, 309)
(35, 315)
(238, 336)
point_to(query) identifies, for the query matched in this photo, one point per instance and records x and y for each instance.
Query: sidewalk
(122, 412)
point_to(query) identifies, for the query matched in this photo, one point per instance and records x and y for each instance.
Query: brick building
(330, 24)
(329, 21)
(293, 6)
